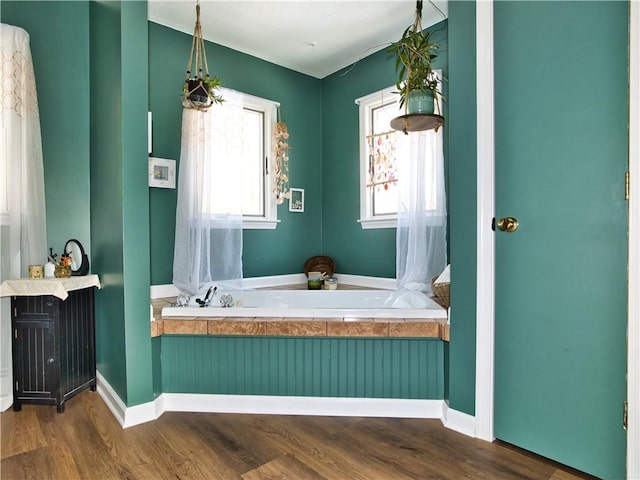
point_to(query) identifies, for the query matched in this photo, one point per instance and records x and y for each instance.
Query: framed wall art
(162, 173)
(296, 201)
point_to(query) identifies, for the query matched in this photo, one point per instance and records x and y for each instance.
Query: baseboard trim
(288, 405)
(283, 405)
(6, 401)
(458, 421)
(111, 398)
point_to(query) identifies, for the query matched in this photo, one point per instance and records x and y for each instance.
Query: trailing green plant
(214, 83)
(203, 87)
(415, 53)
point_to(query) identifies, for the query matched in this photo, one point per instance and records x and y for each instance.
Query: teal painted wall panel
(333, 367)
(119, 199)
(106, 193)
(298, 236)
(135, 104)
(461, 361)
(357, 251)
(59, 38)
(156, 363)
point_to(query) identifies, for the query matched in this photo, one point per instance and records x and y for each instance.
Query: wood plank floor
(86, 442)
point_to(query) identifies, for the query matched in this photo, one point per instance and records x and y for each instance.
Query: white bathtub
(316, 304)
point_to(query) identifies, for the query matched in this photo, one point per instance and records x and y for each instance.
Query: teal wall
(461, 359)
(298, 235)
(59, 33)
(106, 194)
(119, 200)
(357, 251)
(324, 367)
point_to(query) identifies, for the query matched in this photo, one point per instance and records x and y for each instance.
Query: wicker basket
(320, 263)
(441, 292)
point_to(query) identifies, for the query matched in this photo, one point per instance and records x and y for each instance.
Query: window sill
(371, 223)
(259, 224)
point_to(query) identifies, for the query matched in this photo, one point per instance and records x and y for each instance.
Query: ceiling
(314, 37)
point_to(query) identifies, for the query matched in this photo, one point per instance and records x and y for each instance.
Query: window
(384, 156)
(256, 202)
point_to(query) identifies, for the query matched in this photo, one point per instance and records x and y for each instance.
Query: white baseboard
(283, 405)
(318, 406)
(111, 398)
(126, 416)
(458, 421)
(6, 401)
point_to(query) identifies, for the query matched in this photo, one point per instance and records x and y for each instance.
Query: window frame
(269, 220)
(366, 104)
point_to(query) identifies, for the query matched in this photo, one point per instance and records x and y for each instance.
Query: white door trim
(486, 209)
(633, 366)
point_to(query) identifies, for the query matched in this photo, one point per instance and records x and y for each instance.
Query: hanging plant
(281, 161)
(415, 53)
(199, 91)
(417, 83)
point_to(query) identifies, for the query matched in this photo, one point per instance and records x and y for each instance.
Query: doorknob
(507, 224)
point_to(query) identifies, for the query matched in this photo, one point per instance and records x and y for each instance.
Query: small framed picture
(296, 201)
(162, 173)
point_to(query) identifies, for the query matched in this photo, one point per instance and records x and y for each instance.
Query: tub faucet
(208, 297)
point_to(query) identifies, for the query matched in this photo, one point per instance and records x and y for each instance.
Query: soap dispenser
(50, 266)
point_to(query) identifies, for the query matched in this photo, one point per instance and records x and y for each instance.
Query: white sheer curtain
(208, 241)
(23, 235)
(421, 244)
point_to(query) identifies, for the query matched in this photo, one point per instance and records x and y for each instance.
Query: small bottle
(49, 270)
(50, 266)
(330, 283)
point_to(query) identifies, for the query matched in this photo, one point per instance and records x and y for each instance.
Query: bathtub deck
(296, 327)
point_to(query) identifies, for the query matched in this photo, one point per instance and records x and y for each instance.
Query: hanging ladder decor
(199, 89)
(281, 161)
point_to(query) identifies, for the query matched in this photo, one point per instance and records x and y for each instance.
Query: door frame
(485, 291)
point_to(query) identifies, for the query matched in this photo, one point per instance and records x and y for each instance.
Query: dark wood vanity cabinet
(54, 354)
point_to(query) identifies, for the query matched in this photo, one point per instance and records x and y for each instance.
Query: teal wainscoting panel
(327, 367)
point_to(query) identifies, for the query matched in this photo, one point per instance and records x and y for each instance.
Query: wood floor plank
(234, 438)
(86, 442)
(168, 450)
(287, 467)
(325, 455)
(21, 433)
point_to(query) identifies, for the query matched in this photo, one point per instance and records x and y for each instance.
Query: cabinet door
(77, 340)
(35, 363)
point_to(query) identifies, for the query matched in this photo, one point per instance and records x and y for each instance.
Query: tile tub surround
(296, 327)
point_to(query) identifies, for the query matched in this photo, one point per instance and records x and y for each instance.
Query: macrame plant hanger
(199, 91)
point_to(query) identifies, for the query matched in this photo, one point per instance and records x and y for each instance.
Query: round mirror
(79, 259)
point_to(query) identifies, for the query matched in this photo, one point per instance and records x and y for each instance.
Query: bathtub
(385, 304)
